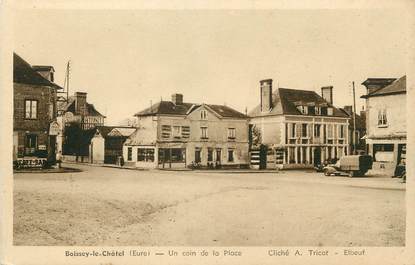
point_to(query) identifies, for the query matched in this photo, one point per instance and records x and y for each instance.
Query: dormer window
(203, 115)
(303, 109)
(330, 111)
(317, 110)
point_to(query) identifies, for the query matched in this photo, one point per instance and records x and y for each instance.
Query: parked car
(352, 166)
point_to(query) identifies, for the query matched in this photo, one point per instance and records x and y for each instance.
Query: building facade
(299, 128)
(77, 119)
(34, 115)
(175, 134)
(386, 122)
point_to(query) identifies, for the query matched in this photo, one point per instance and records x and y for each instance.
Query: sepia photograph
(209, 127)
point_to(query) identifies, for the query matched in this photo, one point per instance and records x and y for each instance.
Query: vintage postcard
(250, 132)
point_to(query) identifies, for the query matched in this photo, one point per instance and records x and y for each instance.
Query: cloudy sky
(125, 59)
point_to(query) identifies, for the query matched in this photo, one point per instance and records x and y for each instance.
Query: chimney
(177, 99)
(327, 94)
(266, 94)
(348, 109)
(80, 103)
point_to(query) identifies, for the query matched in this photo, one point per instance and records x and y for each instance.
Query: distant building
(298, 127)
(34, 113)
(77, 114)
(107, 144)
(179, 134)
(357, 142)
(386, 122)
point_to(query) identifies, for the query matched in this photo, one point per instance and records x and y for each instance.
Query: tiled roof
(23, 73)
(285, 99)
(70, 106)
(125, 131)
(169, 108)
(396, 87)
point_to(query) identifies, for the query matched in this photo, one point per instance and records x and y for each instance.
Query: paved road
(109, 206)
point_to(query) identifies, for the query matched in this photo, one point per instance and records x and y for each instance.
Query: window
(303, 109)
(330, 111)
(203, 115)
(204, 132)
(330, 131)
(210, 155)
(198, 157)
(177, 131)
(311, 110)
(323, 111)
(341, 131)
(130, 154)
(231, 133)
(230, 155)
(304, 130)
(30, 109)
(218, 154)
(318, 111)
(165, 131)
(317, 130)
(178, 155)
(382, 120)
(185, 131)
(145, 154)
(293, 130)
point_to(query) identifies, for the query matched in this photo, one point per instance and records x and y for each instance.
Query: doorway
(317, 156)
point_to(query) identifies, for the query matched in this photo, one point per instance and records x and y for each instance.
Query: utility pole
(354, 121)
(68, 69)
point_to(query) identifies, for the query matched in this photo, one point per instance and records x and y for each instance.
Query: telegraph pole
(354, 121)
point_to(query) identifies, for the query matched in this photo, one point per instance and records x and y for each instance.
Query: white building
(386, 122)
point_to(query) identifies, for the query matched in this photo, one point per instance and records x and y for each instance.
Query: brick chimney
(327, 94)
(80, 103)
(177, 99)
(266, 94)
(348, 109)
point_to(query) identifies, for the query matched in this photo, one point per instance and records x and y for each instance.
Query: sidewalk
(47, 170)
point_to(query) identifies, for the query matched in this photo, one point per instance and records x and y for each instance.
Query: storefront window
(198, 157)
(230, 155)
(210, 155)
(130, 153)
(145, 154)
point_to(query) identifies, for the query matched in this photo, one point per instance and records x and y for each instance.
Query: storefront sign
(30, 162)
(41, 147)
(54, 128)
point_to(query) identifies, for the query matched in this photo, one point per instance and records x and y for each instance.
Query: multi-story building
(34, 116)
(178, 134)
(298, 127)
(386, 122)
(77, 119)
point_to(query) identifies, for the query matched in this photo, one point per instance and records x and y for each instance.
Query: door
(30, 144)
(317, 156)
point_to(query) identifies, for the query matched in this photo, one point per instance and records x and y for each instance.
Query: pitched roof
(23, 73)
(70, 106)
(107, 130)
(396, 87)
(284, 102)
(169, 108)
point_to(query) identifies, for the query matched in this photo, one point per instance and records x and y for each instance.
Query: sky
(125, 59)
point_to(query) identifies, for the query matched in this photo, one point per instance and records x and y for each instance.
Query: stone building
(34, 115)
(178, 134)
(386, 122)
(298, 127)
